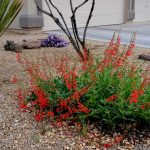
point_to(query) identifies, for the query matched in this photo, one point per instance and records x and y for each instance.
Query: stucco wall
(29, 8)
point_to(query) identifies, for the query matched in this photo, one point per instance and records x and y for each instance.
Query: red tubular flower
(135, 95)
(120, 62)
(145, 82)
(110, 52)
(67, 78)
(118, 139)
(69, 109)
(74, 110)
(13, 79)
(42, 75)
(129, 52)
(50, 114)
(64, 116)
(118, 40)
(76, 95)
(59, 123)
(85, 54)
(58, 110)
(132, 45)
(119, 75)
(83, 90)
(18, 58)
(83, 108)
(108, 145)
(84, 66)
(111, 98)
(74, 82)
(30, 70)
(143, 107)
(38, 117)
(23, 106)
(20, 95)
(43, 102)
(63, 103)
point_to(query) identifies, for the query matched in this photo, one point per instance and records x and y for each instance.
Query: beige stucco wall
(142, 10)
(29, 8)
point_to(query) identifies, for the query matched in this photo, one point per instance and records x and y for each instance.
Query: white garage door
(142, 10)
(106, 12)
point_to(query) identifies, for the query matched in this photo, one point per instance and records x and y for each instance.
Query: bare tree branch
(40, 9)
(67, 29)
(73, 20)
(82, 42)
(56, 21)
(73, 26)
(71, 5)
(80, 5)
(75, 41)
(87, 23)
(48, 6)
(60, 16)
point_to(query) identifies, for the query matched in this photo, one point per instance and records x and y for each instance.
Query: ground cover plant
(111, 89)
(54, 41)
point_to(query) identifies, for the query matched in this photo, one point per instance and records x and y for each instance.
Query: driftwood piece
(144, 57)
(31, 44)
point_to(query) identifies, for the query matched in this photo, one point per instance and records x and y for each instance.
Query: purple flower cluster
(53, 41)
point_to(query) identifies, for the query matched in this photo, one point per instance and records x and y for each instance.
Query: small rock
(120, 148)
(144, 57)
(66, 148)
(148, 142)
(1, 97)
(16, 141)
(31, 44)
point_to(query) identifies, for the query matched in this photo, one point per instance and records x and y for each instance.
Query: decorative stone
(31, 44)
(144, 57)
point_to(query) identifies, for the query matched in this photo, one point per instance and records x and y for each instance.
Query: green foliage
(55, 89)
(8, 12)
(118, 111)
(111, 90)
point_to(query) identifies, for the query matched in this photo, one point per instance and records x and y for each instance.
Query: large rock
(31, 44)
(145, 57)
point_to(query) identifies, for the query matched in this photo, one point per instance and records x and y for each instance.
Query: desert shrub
(112, 89)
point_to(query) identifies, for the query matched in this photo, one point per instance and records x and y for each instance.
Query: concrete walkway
(105, 33)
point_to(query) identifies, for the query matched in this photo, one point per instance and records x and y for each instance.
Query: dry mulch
(19, 131)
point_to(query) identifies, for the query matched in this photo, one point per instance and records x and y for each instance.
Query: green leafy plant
(111, 89)
(8, 11)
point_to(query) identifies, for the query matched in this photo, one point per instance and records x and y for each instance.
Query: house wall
(28, 17)
(135, 10)
(24, 10)
(142, 10)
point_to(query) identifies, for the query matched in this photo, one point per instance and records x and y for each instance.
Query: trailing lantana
(99, 89)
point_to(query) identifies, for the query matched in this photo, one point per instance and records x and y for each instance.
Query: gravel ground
(18, 131)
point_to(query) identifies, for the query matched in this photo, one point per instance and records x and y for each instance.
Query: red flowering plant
(54, 91)
(121, 92)
(110, 89)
